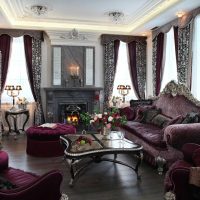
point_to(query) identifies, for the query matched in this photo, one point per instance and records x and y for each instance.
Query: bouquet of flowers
(109, 119)
(22, 101)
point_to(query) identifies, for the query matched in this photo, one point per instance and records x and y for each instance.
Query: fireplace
(59, 101)
(70, 113)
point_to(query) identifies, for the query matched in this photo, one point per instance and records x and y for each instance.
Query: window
(17, 73)
(170, 66)
(196, 59)
(122, 76)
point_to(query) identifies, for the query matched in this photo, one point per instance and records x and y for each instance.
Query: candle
(77, 70)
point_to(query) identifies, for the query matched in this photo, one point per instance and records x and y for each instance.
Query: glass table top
(115, 141)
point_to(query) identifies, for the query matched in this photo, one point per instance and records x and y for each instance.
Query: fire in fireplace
(72, 114)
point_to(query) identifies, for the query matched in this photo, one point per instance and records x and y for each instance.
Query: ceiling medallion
(74, 35)
(116, 16)
(39, 10)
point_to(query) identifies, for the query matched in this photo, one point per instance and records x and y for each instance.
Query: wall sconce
(13, 92)
(123, 90)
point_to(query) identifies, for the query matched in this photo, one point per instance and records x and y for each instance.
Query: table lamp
(123, 90)
(13, 91)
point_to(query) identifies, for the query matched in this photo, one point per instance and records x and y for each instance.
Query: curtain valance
(17, 33)
(106, 38)
(181, 22)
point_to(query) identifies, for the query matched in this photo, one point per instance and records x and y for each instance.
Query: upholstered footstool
(45, 142)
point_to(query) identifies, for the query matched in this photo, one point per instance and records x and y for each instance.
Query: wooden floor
(102, 181)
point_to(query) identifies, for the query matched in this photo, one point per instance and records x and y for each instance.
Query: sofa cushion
(161, 120)
(191, 117)
(151, 134)
(128, 112)
(149, 114)
(196, 157)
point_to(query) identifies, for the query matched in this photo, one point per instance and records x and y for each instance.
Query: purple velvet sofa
(164, 140)
(179, 181)
(26, 185)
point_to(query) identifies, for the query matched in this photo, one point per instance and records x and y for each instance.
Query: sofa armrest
(45, 187)
(178, 134)
(3, 160)
(188, 150)
(180, 182)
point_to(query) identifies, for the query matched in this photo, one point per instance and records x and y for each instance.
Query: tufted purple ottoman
(45, 142)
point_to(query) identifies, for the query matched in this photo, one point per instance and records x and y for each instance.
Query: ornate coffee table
(99, 147)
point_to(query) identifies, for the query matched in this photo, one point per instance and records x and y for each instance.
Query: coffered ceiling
(92, 15)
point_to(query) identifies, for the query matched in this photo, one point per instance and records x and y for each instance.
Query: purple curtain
(28, 55)
(5, 43)
(159, 59)
(116, 52)
(133, 67)
(176, 41)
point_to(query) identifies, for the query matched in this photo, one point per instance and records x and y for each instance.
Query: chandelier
(39, 9)
(116, 16)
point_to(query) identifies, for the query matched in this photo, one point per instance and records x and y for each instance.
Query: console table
(14, 115)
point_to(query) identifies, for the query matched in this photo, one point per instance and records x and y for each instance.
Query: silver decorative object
(160, 161)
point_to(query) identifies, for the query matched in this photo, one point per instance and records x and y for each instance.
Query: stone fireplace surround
(58, 98)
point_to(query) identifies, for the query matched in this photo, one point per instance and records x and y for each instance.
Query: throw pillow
(140, 112)
(161, 120)
(176, 120)
(149, 115)
(5, 184)
(191, 117)
(128, 112)
(196, 157)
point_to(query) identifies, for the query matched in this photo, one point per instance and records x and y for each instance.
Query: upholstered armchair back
(176, 99)
(175, 105)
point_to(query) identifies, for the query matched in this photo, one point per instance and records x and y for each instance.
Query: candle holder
(74, 78)
(123, 90)
(13, 92)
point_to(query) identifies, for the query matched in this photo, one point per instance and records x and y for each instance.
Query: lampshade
(18, 87)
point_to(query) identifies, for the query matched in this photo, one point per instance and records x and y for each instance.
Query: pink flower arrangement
(109, 120)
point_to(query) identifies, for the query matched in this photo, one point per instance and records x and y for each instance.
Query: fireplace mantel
(73, 89)
(56, 97)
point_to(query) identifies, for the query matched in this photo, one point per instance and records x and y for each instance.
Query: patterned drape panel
(184, 55)
(157, 59)
(141, 67)
(154, 53)
(109, 72)
(36, 71)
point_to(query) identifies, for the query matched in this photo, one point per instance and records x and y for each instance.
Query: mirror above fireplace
(73, 66)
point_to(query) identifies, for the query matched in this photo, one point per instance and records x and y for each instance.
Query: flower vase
(105, 132)
(22, 106)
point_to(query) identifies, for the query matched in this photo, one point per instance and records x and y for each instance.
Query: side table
(14, 114)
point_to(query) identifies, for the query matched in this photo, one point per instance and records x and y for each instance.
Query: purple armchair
(26, 185)
(178, 177)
